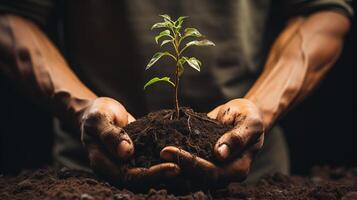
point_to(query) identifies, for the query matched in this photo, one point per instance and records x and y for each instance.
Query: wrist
(70, 108)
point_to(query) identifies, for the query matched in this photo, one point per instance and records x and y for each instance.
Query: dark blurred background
(320, 131)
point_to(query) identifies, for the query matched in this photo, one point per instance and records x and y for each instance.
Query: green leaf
(170, 24)
(165, 24)
(157, 79)
(156, 57)
(200, 43)
(192, 32)
(162, 34)
(165, 42)
(166, 17)
(179, 21)
(194, 63)
(182, 60)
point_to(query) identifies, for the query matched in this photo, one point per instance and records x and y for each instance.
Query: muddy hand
(109, 146)
(235, 150)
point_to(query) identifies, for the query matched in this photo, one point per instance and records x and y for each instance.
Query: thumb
(113, 137)
(231, 143)
(105, 120)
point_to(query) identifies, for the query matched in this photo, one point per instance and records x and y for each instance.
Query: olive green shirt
(108, 43)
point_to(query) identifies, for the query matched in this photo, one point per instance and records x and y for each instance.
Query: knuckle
(256, 123)
(89, 121)
(255, 117)
(95, 116)
(237, 138)
(94, 122)
(114, 135)
(257, 120)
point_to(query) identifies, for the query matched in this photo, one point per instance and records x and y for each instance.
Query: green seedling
(173, 35)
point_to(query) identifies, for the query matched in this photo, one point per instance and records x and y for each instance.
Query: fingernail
(124, 149)
(166, 155)
(223, 151)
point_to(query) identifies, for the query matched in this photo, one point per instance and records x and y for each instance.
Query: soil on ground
(193, 132)
(323, 184)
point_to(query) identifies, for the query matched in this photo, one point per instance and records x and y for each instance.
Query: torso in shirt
(108, 43)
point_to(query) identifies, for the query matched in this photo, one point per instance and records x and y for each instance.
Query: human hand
(235, 150)
(109, 146)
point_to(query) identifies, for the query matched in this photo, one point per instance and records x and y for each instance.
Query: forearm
(299, 59)
(29, 58)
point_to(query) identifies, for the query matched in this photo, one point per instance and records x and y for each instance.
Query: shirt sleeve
(303, 7)
(37, 10)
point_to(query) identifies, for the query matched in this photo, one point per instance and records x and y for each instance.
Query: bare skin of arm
(30, 59)
(299, 59)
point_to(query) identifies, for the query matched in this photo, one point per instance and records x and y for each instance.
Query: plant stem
(177, 82)
(177, 77)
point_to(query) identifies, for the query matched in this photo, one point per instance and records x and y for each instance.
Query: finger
(115, 112)
(214, 112)
(121, 174)
(238, 170)
(186, 160)
(153, 174)
(246, 132)
(232, 143)
(130, 118)
(114, 138)
(102, 165)
(118, 142)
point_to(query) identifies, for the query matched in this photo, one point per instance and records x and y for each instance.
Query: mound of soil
(193, 132)
(323, 184)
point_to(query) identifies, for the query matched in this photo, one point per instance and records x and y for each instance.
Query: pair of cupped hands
(109, 146)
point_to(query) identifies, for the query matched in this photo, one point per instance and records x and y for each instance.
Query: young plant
(173, 35)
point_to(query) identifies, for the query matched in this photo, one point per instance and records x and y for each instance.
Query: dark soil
(193, 132)
(323, 184)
